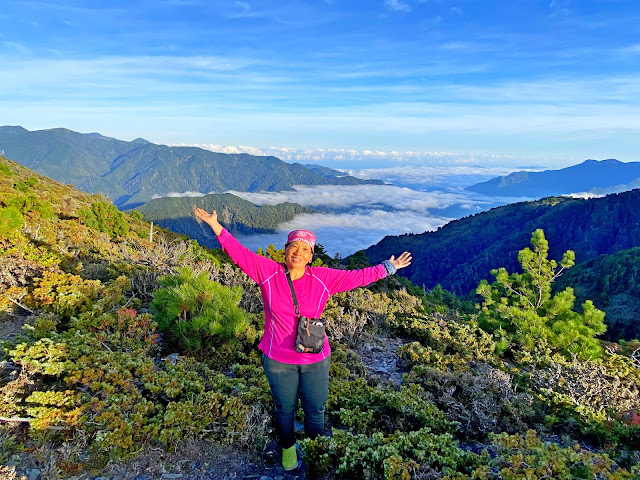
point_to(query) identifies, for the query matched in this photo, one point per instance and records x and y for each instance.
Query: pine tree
(520, 309)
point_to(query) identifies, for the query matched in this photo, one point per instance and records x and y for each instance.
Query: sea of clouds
(423, 191)
(352, 218)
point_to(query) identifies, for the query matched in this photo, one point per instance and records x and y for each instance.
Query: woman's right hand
(210, 219)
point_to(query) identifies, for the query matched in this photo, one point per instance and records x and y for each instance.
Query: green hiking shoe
(289, 458)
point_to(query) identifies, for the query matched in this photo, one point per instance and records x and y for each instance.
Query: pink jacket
(312, 290)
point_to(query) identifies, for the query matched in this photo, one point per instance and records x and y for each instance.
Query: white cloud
(177, 194)
(425, 175)
(347, 233)
(397, 5)
(17, 47)
(560, 8)
(346, 158)
(632, 48)
(372, 212)
(244, 6)
(358, 196)
(225, 149)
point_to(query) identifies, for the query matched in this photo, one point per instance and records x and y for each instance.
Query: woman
(292, 374)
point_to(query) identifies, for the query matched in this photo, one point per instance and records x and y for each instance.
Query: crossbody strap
(293, 292)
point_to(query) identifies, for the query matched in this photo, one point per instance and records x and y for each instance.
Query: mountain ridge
(132, 173)
(591, 176)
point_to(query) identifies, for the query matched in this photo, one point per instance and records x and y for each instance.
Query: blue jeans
(289, 382)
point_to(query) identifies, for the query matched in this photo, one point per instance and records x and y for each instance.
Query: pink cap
(302, 236)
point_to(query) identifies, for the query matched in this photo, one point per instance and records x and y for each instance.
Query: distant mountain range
(592, 176)
(463, 252)
(238, 215)
(132, 173)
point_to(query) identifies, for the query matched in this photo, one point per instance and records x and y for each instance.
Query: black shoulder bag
(310, 334)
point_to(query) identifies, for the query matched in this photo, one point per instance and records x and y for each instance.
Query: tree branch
(20, 305)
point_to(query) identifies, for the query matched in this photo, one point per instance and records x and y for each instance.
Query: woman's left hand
(402, 261)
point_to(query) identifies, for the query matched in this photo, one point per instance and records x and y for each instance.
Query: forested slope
(613, 283)
(463, 252)
(238, 215)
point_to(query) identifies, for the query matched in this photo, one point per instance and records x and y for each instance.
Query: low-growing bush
(481, 398)
(400, 455)
(528, 457)
(198, 314)
(64, 294)
(366, 409)
(11, 220)
(104, 217)
(348, 313)
(447, 334)
(596, 397)
(99, 381)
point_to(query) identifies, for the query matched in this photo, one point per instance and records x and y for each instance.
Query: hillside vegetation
(132, 345)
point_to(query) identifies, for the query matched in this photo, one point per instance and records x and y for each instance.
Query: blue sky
(518, 82)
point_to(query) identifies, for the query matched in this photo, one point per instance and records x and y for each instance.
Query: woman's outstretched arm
(210, 219)
(344, 280)
(256, 266)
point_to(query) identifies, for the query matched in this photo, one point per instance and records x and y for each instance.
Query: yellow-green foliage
(11, 220)
(64, 293)
(447, 335)
(100, 378)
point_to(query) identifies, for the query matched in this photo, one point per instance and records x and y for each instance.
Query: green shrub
(480, 398)
(31, 203)
(198, 314)
(26, 185)
(11, 220)
(447, 334)
(367, 409)
(42, 325)
(594, 397)
(399, 455)
(104, 217)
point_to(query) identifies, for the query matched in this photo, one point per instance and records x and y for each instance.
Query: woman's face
(297, 255)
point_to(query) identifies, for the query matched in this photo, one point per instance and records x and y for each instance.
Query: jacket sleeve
(257, 267)
(344, 280)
